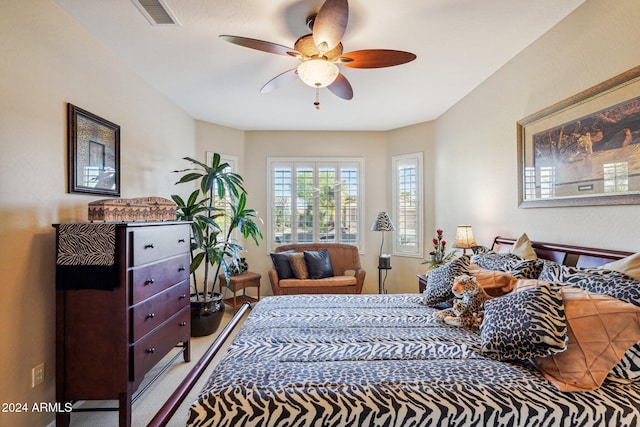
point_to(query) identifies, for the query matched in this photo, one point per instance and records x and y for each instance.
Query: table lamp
(464, 238)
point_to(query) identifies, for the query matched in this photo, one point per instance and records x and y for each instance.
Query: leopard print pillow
(550, 271)
(238, 268)
(526, 269)
(525, 324)
(440, 280)
(495, 262)
(612, 283)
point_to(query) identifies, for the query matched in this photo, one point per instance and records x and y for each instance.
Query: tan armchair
(345, 260)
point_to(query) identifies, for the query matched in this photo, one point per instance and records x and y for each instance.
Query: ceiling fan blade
(260, 45)
(375, 58)
(279, 81)
(330, 24)
(341, 87)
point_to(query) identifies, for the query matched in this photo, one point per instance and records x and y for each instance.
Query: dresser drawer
(155, 243)
(151, 279)
(150, 313)
(147, 352)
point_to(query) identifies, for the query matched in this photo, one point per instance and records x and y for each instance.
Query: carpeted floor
(148, 404)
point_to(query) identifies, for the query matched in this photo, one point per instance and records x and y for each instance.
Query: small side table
(241, 282)
(380, 281)
(422, 282)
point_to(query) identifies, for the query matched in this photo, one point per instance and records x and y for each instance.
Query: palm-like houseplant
(215, 209)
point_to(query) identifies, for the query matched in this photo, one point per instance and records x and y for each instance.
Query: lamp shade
(464, 237)
(318, 72)
(382, 222)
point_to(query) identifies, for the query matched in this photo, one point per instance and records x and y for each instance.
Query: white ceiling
(458, 43)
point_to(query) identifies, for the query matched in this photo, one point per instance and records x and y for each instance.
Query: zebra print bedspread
(365, 360)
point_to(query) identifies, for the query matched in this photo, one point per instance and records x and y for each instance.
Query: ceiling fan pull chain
(317, 103)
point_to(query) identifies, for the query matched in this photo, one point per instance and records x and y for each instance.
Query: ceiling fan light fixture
(318, 72)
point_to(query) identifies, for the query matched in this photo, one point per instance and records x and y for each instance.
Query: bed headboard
(575, 256)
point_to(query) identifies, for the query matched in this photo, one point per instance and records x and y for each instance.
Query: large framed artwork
(584, 150)
(94, 153)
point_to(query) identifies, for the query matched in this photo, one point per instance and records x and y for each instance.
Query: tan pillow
(629, 266)
(494, 283)
(522, 247)
(600, 330)
(298, 265)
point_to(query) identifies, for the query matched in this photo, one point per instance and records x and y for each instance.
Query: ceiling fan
(320, 53)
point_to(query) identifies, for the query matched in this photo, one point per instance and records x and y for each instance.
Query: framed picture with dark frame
(584, 150)
(94, 153)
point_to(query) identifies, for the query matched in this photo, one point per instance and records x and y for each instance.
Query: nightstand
(241, 282)
(422, 282)
(380, 281)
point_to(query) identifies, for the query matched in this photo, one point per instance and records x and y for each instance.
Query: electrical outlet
(37, 375)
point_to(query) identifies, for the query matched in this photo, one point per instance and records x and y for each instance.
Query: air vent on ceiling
(156, 12)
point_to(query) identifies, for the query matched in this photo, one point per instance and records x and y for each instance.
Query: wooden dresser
(115, 322)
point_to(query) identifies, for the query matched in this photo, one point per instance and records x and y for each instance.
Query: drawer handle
(183, 323)
(181, 241)
(151, 350)
(151, 315)
(149, 246)
(149, 281)
(183, 296)
(181, 269)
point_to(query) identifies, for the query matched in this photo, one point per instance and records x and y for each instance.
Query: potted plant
(215, 209)
(439, 256)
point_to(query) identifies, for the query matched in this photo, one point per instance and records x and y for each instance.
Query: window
(315, 200)
(529, 183)
(547, 182)
(616, 177)
(407, 205)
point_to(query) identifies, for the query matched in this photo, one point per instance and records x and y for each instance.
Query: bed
(340, 360)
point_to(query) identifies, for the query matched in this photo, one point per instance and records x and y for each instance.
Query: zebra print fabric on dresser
(85, 256)
(86, 244)
(382, 360)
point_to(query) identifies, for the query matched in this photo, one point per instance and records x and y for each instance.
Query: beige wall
(415, 139)
(372, 146)
(476, 140)
(47, 60)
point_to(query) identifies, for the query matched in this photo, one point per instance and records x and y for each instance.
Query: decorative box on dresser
(116, 320)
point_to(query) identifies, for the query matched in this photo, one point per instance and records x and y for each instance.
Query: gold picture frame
(584, 150)
(94, 153)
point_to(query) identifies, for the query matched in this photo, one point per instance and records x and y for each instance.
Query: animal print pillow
(525, 324)
(238, 268)
(526, 269)
(606, 282)
(298, 265)
(440, 280)
(481, 250)
(497, 262)
(550, 271)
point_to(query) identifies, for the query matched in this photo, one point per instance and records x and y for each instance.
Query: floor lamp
(382, 223)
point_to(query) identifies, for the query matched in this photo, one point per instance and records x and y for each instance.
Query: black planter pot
(206, 316)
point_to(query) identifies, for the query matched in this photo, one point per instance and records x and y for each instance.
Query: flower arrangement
(439, 254)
